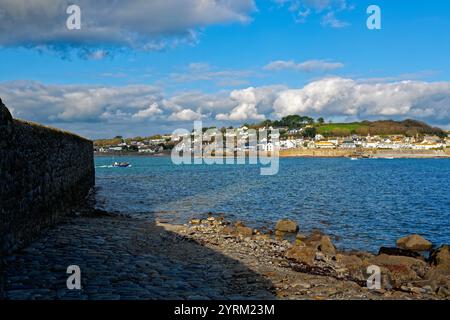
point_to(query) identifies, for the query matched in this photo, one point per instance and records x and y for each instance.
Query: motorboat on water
(121, 164)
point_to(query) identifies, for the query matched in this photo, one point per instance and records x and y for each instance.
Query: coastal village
(305, 137)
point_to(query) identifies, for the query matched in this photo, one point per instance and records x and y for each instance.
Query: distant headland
(306, 136)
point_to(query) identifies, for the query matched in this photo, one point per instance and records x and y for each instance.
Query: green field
(339, 127)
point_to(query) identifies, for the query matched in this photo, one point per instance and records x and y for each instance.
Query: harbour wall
(44, 173)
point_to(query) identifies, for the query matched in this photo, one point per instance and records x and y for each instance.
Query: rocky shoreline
(319, 269)
(123, 257)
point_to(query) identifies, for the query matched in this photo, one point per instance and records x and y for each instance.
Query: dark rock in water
(398, 252)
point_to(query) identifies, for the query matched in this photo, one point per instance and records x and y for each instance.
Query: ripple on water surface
(366, 203)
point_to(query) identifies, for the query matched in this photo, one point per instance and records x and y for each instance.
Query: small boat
(354, 158)
(121, 164)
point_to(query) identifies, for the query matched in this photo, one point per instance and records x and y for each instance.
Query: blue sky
(239, 61)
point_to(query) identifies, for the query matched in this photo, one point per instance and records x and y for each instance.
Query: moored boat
(121, 164)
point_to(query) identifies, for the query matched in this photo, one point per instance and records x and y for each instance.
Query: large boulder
(285, 225)
(301, 254)
(320, 242)
(355, 266)
(414, 242)
(399, 269)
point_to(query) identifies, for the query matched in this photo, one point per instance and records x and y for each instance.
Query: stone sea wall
(44, 172)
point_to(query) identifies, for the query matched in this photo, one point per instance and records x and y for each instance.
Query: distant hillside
(382, 127)
(119, 139)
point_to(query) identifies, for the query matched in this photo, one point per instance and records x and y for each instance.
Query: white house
(287, 144)
(348, 144)
(146, 150)
(370, 145)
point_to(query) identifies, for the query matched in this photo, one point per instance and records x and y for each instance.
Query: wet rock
(399, 252)
(414, 242)
(285, 225)
(301, 254)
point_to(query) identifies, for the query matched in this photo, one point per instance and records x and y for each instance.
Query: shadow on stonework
(126, 258)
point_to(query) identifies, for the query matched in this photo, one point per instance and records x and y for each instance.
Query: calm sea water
(366, 203)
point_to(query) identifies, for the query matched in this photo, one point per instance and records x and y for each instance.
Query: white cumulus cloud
(99, 111)
(347, 97)
(252, 103)
(185, 115)
(149, 112)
